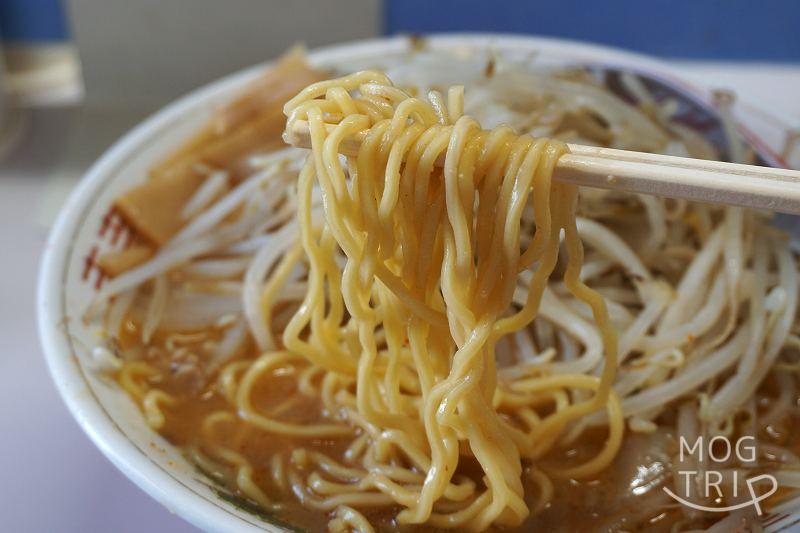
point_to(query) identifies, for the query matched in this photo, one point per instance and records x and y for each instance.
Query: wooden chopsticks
(662, 175)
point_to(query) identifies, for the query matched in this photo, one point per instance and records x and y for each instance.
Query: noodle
(396, 261)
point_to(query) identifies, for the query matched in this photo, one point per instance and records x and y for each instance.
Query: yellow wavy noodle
(432, 261)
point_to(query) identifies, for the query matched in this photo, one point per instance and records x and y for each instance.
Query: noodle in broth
(414, 345)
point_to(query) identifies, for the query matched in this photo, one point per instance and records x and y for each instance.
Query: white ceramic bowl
(110, 419)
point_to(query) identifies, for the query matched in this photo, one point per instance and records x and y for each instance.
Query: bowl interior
(87, 227)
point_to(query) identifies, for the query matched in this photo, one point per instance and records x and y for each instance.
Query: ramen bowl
(87, 227)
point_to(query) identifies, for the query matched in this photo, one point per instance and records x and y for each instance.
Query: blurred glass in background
(40, 70)
(41, 61)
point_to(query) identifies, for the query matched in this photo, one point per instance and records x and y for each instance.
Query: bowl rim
(66, 371)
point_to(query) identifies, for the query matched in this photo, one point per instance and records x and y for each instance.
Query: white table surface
(52, 477)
